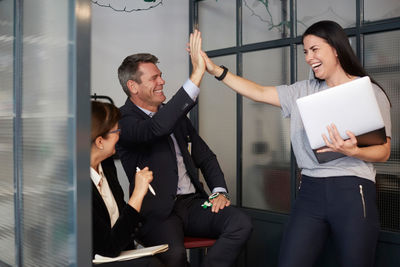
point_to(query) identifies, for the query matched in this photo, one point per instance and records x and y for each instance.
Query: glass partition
(377, 10)
(46, 219)
(265, 20)
(266, 137)
(311, 11)
(217, 125)
(40, 70)
(382, 61)
(7, 218)
(217, 20)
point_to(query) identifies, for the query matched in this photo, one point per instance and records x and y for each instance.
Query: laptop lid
(350, 106)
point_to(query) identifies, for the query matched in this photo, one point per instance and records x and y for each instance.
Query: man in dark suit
(161, 137)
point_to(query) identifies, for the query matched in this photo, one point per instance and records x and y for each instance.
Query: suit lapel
(98, 202)
(135, 109)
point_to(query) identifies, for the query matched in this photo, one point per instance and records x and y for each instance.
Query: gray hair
(128, 70)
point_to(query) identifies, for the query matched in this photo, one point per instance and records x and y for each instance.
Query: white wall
(162, 31)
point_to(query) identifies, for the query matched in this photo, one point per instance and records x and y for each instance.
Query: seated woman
(114, 221)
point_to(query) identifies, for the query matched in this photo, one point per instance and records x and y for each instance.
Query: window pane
(311, 11)
(382, 61)
(47, 218)
(45, 58)
(304, 71)
(265, 20)
(217, 20)
(266, 141)
(383, 9)
(48, 193)
(217, 124)
(7, 221)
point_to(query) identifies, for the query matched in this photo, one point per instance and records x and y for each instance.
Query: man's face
(149, 93)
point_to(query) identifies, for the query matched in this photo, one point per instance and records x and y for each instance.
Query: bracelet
(212, 196)
(220, 78)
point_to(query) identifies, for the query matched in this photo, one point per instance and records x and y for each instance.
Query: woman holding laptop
(114, 221)
(337, 197)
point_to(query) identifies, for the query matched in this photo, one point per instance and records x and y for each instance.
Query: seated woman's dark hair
(104, 118)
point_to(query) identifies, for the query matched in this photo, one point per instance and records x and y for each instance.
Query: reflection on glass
(266, 141)
(217, 121)
(382, 61)
(311, 11)
(7, 218)
(265, 20)
(48, 237)
(377, 10)
(217, 21)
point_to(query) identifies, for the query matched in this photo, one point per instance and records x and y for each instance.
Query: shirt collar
(96, 177)
(148, 112)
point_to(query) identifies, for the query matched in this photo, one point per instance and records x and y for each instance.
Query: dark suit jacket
(109, 241)
(146, 141)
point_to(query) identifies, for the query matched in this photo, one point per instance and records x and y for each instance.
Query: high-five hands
(211, 67)
(198, 64)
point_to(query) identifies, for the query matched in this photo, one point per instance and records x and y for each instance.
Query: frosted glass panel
(45, 61)
(311, 11)
(383, 9)
(47, 220)
(6, 57)
(47, 189)
(382, 61)
(266, 141)
(217, 121)
(7, 219)
(217, 20)
(265, 20)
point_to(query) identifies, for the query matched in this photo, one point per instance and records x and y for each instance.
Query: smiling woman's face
(321, 57)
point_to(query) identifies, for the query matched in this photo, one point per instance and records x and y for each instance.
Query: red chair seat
(198, 242)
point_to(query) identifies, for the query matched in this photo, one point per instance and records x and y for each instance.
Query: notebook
(131, 254)
(350, 106)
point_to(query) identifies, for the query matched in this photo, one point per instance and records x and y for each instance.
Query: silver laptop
(350, 106)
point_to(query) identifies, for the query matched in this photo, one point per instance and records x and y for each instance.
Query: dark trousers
(343, 207)
(230, 226)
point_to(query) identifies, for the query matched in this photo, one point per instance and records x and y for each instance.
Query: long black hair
(335, 36)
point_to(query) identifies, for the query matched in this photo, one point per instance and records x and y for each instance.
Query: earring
(101, 147)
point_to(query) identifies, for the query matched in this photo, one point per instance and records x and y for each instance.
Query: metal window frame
(358, 31)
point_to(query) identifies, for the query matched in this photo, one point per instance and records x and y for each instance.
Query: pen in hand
(150, 187)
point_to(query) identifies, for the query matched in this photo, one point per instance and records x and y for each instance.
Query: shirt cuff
(191, 89)
(219, 190)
